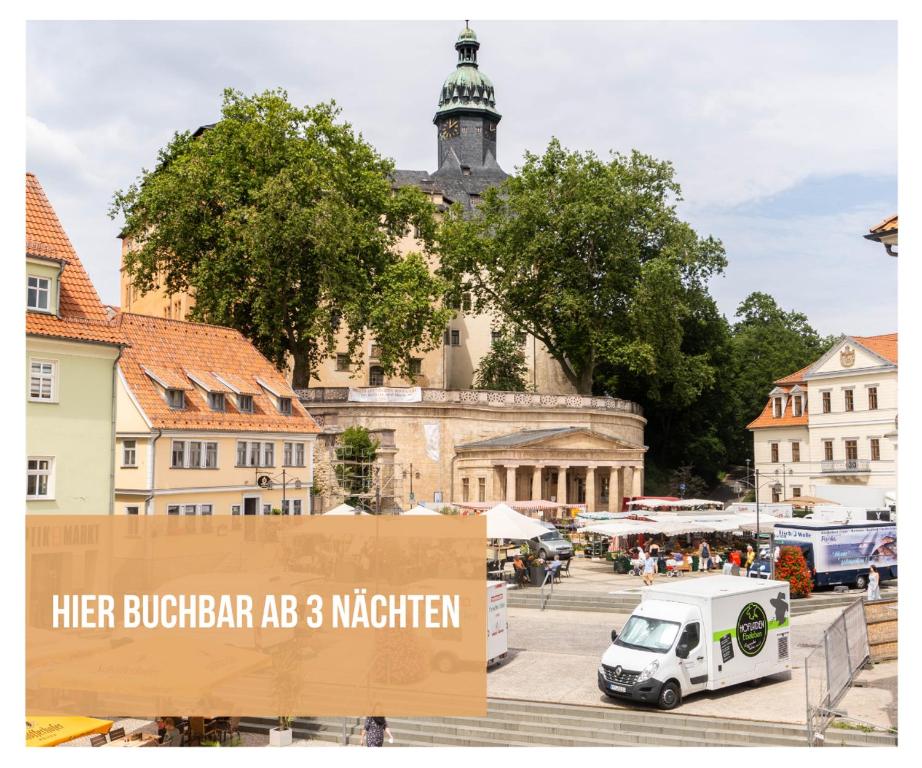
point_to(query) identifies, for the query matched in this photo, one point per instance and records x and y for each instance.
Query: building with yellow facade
(206, 425)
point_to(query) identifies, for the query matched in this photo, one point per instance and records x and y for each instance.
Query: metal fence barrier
(830, 668)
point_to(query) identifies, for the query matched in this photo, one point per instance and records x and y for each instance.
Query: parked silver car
(551, 543)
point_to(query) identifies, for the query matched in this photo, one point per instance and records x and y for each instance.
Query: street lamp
(783, 487)
(777, 487)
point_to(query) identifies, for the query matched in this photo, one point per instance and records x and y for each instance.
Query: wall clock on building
(450, 129)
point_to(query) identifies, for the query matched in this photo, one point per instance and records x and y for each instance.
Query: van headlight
(648, 671)
(601, 670)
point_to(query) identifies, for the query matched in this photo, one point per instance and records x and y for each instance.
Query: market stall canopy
(344, 509)
(420, 511)
(528, 505)
(503, 522)
(622, 528)
(50, 731)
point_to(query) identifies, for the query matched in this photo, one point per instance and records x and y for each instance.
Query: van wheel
(861, 582)
(669, 697)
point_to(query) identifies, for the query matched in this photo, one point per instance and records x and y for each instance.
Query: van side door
(692, 657)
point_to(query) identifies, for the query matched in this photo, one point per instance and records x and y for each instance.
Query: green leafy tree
(503, 367)
(355, 452)
(769, 343)
(683, 482)
(282, 221)
(591, 258)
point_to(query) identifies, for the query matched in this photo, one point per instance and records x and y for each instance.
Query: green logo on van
(751, 629)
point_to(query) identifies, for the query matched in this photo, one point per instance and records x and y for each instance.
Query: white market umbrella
(420, 511)
(343, 509)
(503, 522)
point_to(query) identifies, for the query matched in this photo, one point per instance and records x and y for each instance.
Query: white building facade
(829, 430)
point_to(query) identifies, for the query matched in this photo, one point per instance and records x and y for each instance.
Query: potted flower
(621, 563)
(536, 570)
(792, 567)
(281, 735)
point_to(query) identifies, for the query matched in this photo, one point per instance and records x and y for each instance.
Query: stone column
(510, 483)
(637, 487)
(615, 491)
(536, 483)
(562, 485)
(590, 489)
(628, 479)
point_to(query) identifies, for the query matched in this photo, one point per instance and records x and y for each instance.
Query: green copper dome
(467, 88)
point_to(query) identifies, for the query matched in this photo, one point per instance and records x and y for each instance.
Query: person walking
(374, 731)
(704, 555)
(873, 584)
(649, 568)
(750, 557)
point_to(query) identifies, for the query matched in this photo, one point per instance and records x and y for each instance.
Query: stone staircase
(625, 602)
(529, 724)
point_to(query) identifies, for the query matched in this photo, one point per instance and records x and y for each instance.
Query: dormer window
(216, 401)
(285, 406)
(38, 294)
(797, 405)
(245, 403)
(176, 399)
(776, 407)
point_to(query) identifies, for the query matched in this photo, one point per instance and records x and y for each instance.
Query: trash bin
(694, 562)
(661, 565)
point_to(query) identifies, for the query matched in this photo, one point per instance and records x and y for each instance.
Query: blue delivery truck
(841, 553)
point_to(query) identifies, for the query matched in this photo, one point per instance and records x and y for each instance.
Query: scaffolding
(361, 478)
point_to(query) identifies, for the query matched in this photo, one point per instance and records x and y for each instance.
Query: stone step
(531, 723)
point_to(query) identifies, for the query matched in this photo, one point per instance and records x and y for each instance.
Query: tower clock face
(450, 129)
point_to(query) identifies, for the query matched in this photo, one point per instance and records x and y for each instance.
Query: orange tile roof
(787, 418)
(172, 348)
(82, 315)
(885, 345)
(887, 225)
(795, 378)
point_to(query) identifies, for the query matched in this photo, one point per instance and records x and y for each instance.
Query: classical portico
(568, 465)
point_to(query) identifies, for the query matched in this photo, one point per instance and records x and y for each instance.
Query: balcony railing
(846, 466)
(491, 398)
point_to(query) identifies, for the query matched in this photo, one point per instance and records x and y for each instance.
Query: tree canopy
(282, 221)
(503, 367)
(769, 343)
(591, 258)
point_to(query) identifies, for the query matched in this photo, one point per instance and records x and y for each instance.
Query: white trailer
(702, 634)
(497, 622)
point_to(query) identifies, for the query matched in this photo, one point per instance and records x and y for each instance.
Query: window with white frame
(216, 401)
(188, 509)
(875, 449)
(254, 454)
(245, 403)
(797, 406)
(456, 338)
(40, 477)
(132, 510)
(776, 407)
(285, 406)
(194, 454)
(38, 295)
(299, 454)
(291, 507)
(872, 398)
(849, 400)
(129, 453)
(287, 454)
(41, 380)
(235, 509)
(172, 509)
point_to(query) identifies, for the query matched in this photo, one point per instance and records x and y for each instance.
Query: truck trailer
(842, 553)
(696, 635)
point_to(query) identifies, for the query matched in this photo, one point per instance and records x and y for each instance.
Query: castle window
(376, 376)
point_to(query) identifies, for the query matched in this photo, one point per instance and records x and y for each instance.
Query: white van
(696, 635)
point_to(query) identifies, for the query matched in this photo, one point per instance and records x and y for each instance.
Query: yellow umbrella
(51, 731)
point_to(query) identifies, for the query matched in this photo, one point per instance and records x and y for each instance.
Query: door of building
(250, 505)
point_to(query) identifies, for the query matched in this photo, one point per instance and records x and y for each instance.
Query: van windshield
(647, 634)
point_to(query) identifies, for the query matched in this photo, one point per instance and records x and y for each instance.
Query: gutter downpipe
(112, 450)
(153, 462)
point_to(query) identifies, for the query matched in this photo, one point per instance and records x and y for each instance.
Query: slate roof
(177, 353)
(528, 436)
(82, 315)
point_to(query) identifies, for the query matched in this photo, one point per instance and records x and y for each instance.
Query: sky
(782, 134)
